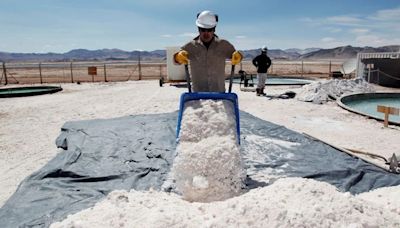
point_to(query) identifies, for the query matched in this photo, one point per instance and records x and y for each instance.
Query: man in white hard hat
(262, 62)
(207, 54)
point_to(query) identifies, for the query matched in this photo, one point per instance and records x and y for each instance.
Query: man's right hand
(181, 57)
(236, 58)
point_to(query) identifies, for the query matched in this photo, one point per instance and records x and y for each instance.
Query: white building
(379, 68)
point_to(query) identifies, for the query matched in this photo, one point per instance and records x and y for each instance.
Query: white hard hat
(207, 19)
(264, 48)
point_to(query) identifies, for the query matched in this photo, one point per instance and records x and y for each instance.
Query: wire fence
(109, 71)
(381, 78)
(321, 69)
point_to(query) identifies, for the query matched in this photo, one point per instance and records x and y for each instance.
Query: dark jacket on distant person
(262, 62)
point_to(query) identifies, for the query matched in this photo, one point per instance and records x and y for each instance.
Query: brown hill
(344, 52)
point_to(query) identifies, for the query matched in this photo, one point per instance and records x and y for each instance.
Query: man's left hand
(236, 58)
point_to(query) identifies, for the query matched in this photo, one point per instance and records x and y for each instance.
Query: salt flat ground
(30, 125)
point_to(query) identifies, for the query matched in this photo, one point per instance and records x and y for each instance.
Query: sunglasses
(206, 30)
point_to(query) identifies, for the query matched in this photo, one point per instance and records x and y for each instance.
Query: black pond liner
(137, 152)
(28, 91)
(345, 102)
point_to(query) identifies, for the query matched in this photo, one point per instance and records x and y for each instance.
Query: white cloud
(189, 34)
(311, 21)
(240, 37)
(347, 20)
(369, 39)
(388, 19)
(387, 15)
(378, 28)
(252, 43)
(359, 31)
(334, 30)
(166, 36)
(306, 19)
(328, 39)
(330, 42)
(374, 40)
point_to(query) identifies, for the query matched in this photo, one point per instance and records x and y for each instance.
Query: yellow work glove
(181, 57)
(236, 58)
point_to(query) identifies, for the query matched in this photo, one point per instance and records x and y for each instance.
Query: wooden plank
(389, 110)
(394, 111)
(375, 162)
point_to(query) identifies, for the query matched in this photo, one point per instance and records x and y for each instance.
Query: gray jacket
(207, 66)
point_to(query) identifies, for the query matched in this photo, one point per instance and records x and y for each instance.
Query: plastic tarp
(136, 152)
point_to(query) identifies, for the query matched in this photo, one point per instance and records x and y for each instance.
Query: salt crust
(289, 202)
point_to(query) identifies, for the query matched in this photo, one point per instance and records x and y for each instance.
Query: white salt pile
(323, 91)
(289, 202)
(208, 165)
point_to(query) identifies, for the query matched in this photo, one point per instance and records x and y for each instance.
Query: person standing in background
(262, 62)
(207, 54)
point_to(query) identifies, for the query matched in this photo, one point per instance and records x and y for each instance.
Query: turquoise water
(280, 81)
(369, 106)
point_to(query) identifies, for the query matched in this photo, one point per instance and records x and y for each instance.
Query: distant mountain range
(344, 52)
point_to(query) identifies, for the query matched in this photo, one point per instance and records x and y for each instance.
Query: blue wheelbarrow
(189, 96)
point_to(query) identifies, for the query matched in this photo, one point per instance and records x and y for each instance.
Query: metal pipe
(188, 78)
(72, 75)
(231, 78)
(105, 73)
(40, 73)
(5, 74)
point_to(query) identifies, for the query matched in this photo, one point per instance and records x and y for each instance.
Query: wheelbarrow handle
(231, 78)
(188, 78)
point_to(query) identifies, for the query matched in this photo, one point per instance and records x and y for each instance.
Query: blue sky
(62, 25)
